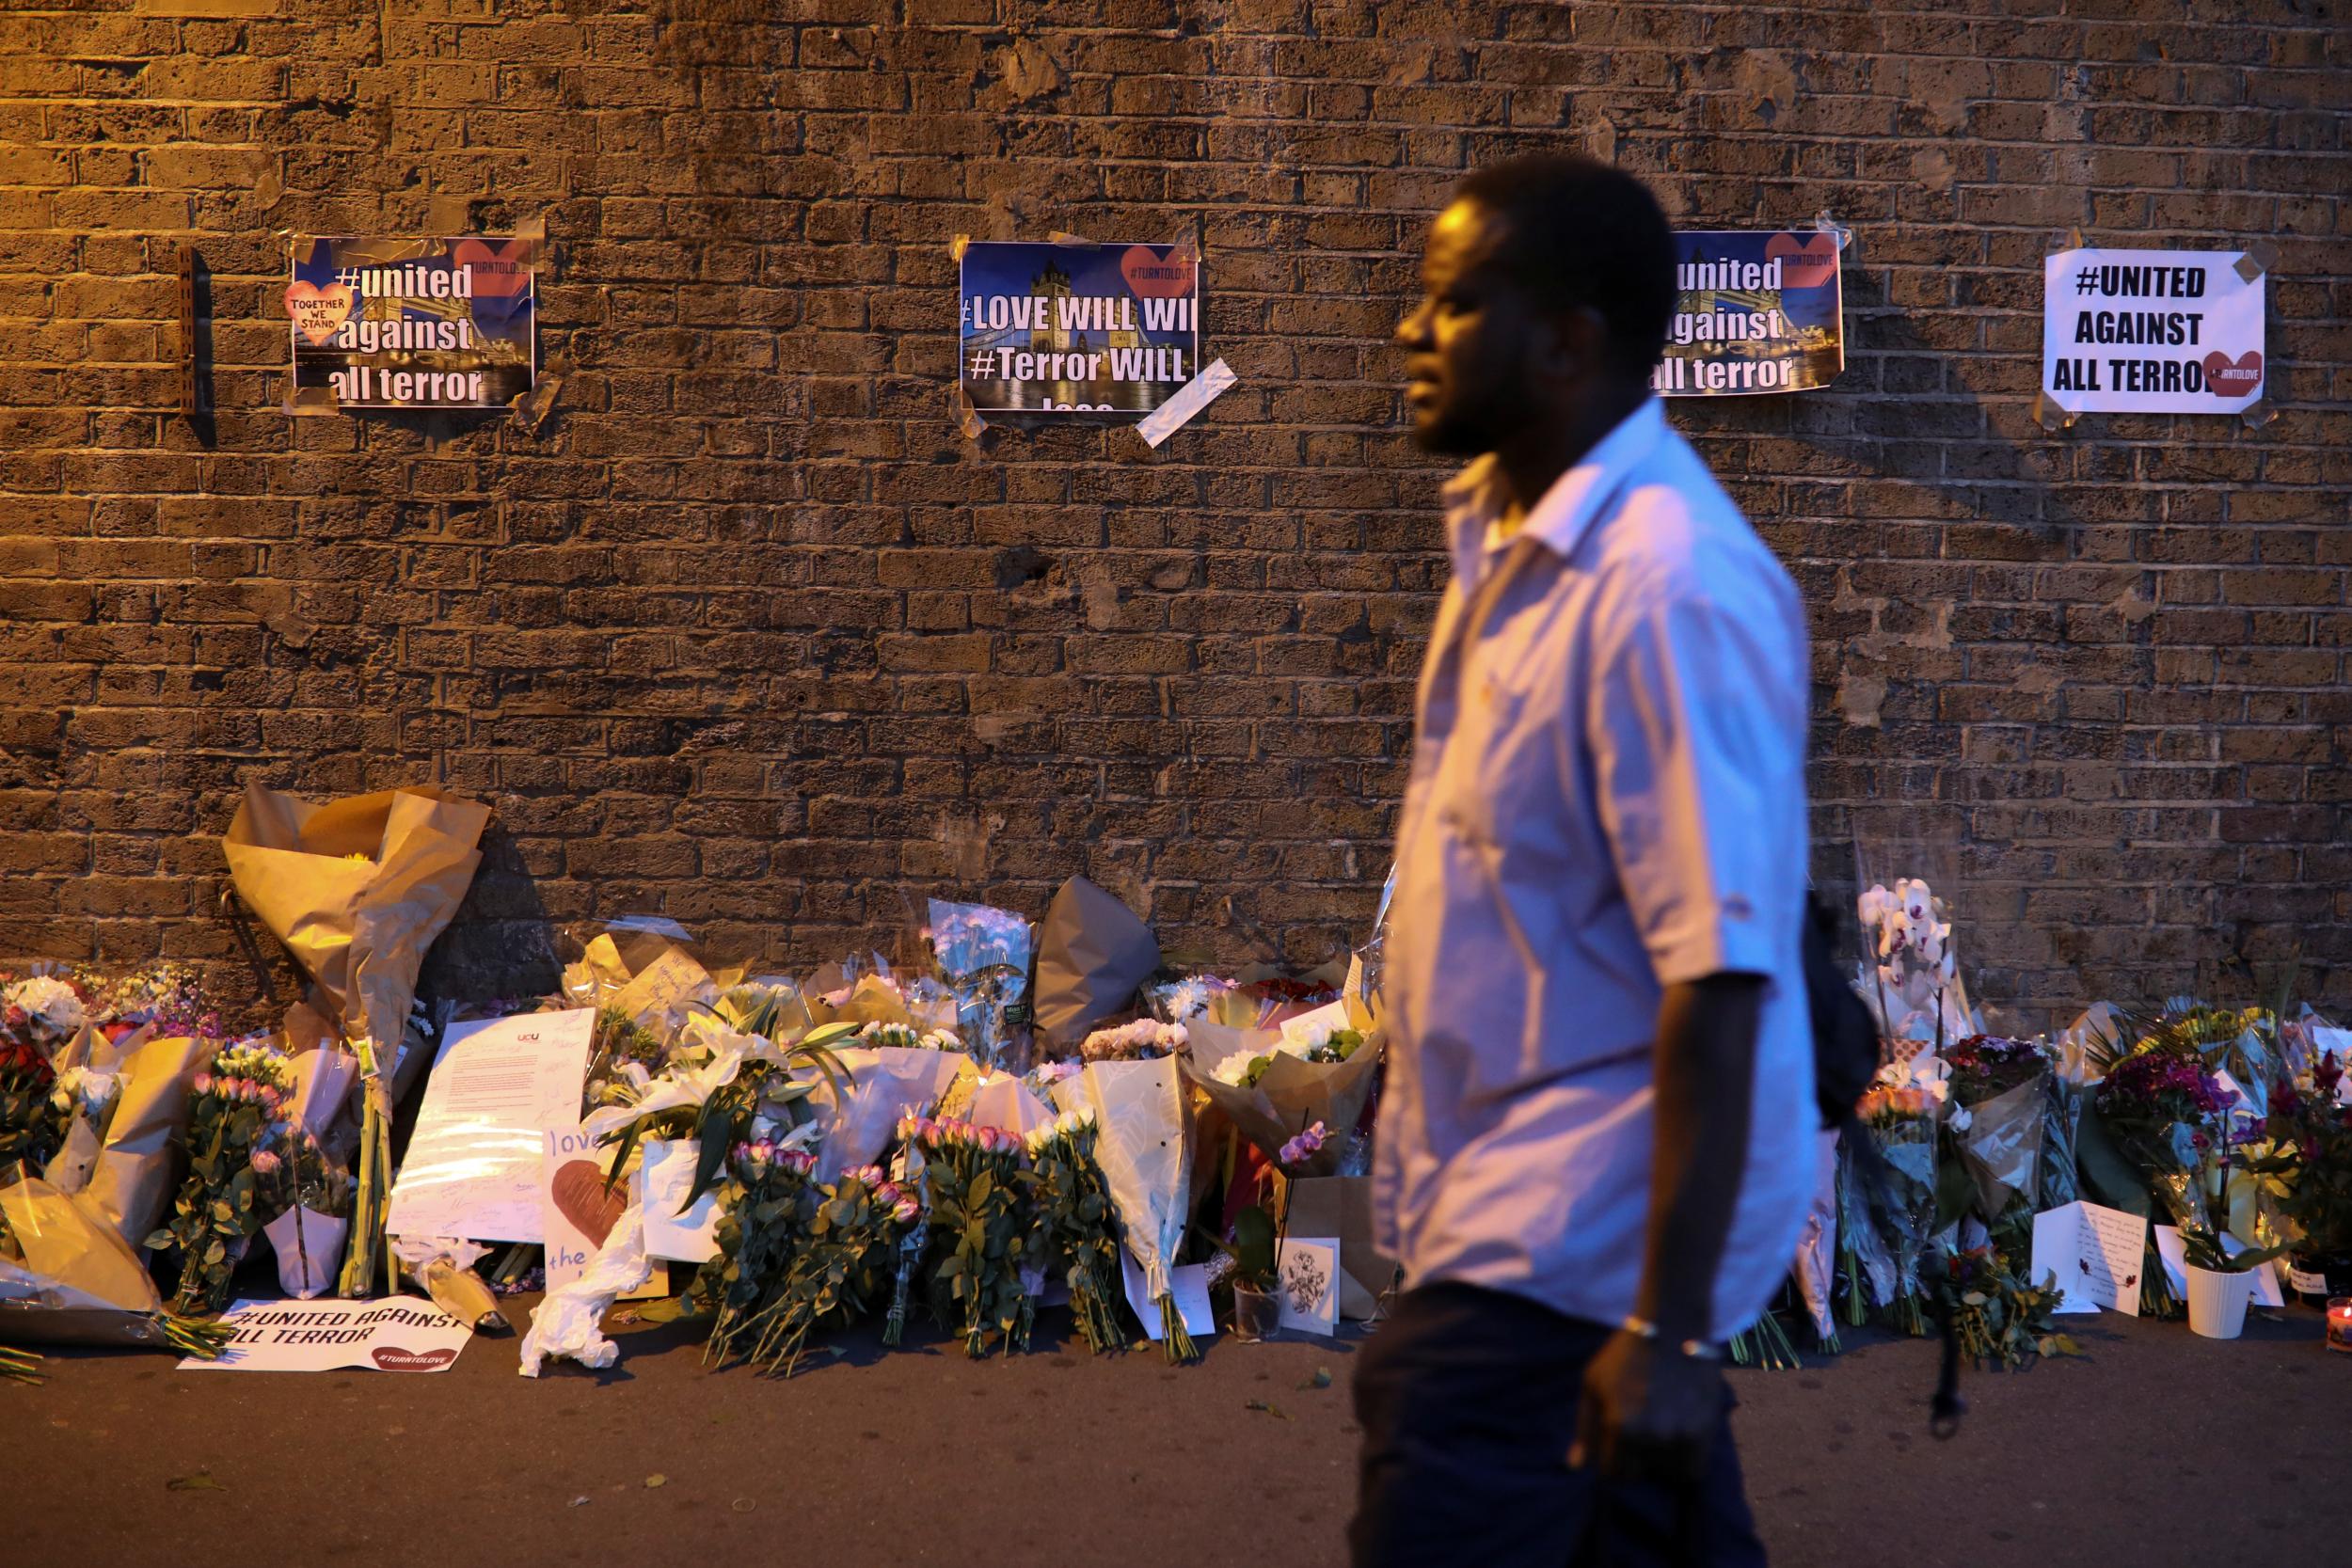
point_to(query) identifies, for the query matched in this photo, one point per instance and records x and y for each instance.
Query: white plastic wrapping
(569, 1323)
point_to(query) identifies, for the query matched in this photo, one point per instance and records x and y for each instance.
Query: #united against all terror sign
(2152, 331)
(412, 324)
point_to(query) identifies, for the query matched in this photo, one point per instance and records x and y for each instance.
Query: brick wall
(745, 631)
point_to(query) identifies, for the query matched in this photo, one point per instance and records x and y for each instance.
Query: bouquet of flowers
(66, 1276)
(983, 959)
(32, 1125)
(619, 1043)
(218, 1211)
(904, 1037)
(1330, 1043)
(44, 1011)
(1145, 1149)
(761, 1230)
(1901, 1114)
(1140, 1040)
(307, 1195)
(971, 1179)
(2309, 1152)
(2003, 1084)
(840, 1269)
(1074, 1235)
(1999, 1316)
(1911, 977)
(2161, 1107)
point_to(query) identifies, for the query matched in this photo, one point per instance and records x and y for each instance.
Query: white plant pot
(308, 1260)
(2217, 1302)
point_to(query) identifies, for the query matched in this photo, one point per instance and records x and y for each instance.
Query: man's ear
(1572, 347)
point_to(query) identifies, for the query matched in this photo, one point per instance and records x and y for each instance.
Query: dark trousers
(1468, 1401)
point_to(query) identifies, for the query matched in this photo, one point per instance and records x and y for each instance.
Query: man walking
(1596, 1148)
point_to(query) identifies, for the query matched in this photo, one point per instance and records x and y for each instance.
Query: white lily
(682, 1084)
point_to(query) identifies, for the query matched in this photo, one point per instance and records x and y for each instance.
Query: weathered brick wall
(745, 631)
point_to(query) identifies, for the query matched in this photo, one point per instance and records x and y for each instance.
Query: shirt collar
(1475, 497)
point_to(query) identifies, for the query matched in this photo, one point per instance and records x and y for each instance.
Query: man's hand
(1649, 1412)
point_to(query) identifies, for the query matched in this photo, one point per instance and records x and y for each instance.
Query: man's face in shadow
(1474, 344)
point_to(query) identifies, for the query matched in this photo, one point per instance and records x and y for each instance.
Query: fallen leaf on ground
(1321, 1380)
(1274, 1410)
(199, 1482)
(578, 1501)
(657, 1479)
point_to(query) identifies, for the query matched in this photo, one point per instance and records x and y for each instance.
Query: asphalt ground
(2154, 1447)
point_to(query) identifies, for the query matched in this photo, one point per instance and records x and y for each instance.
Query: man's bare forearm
(1705, 1080)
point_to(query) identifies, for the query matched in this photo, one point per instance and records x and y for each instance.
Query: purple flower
(1303, 1148)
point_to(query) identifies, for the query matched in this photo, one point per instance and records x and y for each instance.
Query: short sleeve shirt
(1607, 798)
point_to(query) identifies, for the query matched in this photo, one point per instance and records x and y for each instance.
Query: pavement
(2154, 1448)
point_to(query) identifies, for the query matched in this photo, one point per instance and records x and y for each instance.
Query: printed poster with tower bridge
(412, 324)
(1078, 328)
(1754, 312)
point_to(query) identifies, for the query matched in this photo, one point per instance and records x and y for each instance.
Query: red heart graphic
(2233, 378)
(392, 1358)
(1152, 277)
(580, 1197)
(1804, 263)
(499, 271)
(316, 311)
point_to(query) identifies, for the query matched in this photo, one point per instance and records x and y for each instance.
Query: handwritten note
(2097, 1254)
(1190, 1286)
(665, 987)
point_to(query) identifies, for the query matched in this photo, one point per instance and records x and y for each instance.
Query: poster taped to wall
(2152, 331)
(1077, 328)
(411, 323)
(1754, 312)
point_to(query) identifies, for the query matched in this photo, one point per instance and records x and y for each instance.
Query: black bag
(1845, 1059)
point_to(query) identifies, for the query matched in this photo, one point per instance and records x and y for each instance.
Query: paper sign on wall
(1754, 312)
(497, 1087)
(412, 324)
(1076, 327)
(398, 1334)
(2151, 331)
(2095, 1253)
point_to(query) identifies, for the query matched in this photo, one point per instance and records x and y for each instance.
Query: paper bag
(1092, 954)
(359, 926)
(1341, 1206)
(139, 1163)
